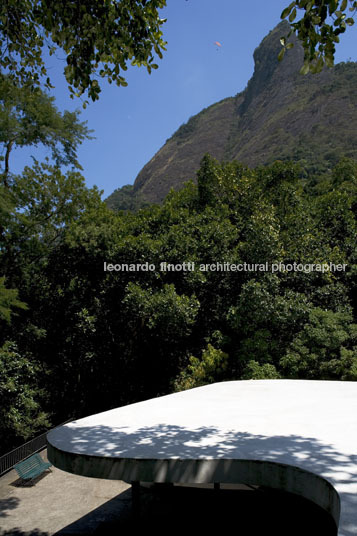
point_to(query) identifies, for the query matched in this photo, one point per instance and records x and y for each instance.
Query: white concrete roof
(311, 425)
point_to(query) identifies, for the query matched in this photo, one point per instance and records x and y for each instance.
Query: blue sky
(132, 123)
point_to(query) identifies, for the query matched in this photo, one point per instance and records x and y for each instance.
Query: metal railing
(7, 461)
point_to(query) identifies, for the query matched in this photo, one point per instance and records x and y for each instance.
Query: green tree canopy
(46, 203)
(99, 38)
(318, 29)
(324, 349)
(21, 415)
(8, 299)
(30, 118)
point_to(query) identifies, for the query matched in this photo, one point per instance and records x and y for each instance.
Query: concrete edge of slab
(273, 475)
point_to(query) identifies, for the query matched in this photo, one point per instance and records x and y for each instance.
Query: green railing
(7, 461)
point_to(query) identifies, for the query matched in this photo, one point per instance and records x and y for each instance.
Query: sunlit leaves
(21, 415)
(209, 369)
(324, 349)
(30, 118)
(8, 301)
(318, 29)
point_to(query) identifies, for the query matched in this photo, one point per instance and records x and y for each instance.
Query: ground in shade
(81, 510)
(254, 512)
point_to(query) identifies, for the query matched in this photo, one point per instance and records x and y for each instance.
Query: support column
(135, 498)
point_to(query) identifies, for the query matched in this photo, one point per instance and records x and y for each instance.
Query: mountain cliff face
(280, 115)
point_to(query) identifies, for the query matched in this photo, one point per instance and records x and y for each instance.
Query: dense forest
(247, 273)
(83, 330)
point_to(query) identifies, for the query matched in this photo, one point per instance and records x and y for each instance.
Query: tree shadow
(8, 504)
(19, 532)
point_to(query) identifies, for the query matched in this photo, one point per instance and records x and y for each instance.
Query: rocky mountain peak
(267, 67)
(281, 115)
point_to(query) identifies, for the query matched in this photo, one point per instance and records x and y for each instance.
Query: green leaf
(281, 54)
(305, 68)
(329, 61)
(319, 64)
(287, 10)
(292, 16)
(332, 6)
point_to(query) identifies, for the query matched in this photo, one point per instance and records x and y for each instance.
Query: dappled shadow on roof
(167, 441)
(171, 441)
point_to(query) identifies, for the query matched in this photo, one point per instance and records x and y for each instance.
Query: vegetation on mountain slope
(280, 115)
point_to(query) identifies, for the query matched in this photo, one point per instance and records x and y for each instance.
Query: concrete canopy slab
(295, 435)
